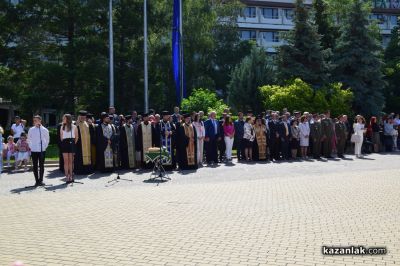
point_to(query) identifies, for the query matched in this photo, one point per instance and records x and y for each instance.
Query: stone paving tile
(266, 214)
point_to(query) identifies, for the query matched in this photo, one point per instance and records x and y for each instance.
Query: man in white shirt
(38, 138)
(17, 128)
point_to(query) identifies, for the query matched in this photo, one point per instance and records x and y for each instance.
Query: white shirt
(249, 133)
(68, 134)
(34, 139)
(17, 130)
(358, 129)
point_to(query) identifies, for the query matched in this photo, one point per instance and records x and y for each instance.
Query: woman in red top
(229, 133)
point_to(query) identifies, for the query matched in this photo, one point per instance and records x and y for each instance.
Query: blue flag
(177, 52)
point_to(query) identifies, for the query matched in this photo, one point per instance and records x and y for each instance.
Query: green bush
(203, 100)
(53, 135)
(299, 95)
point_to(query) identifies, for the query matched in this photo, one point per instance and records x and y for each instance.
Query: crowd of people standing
(116, 141)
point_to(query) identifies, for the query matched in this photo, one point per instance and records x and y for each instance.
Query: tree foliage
(357, 62)
(392, 72)
(203, 100)
(254, 71)
(325, 24)
(298, 95)
(302, 56)
(58, 49)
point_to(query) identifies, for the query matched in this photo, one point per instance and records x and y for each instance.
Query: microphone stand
(116, 160)
(158, 170)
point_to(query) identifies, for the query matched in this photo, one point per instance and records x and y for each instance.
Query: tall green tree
(357, 62)
(338, 9)
(254, 71)
(54, 53)
(303, 57)
(392, 73)
(8, 21)
(324, 23)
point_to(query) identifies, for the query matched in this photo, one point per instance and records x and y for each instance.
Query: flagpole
(146, 78)
(111, 51)
(181, 46)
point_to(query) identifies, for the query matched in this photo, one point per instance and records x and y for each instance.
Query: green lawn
(52, 152)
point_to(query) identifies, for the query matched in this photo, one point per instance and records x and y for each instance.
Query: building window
(270, 13)
(249, 12)
(248, 35)
(379, 18)
(393, 20)
(288, 13)
(270, 36)
(385, 40)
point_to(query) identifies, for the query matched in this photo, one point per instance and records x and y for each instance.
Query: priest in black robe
(83, 153)
(156, 131)
(127, 144)
(92, 127)
(186, 145)
(104, 135)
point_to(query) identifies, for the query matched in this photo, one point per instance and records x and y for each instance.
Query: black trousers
(38, 161)
(239, 148)
(221, 148)
(274, 148)
(211, 150)
(285, 148)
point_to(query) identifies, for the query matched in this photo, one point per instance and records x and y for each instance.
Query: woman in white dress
(359, 130)
(304, 128)
(199, 126)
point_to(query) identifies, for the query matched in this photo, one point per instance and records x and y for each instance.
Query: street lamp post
(146, 78)
(111, 47)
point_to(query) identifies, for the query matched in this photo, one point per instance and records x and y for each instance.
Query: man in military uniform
(327, 134)
(316, 136)
(341, 136)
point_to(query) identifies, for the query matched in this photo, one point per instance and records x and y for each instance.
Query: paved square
(248, 214)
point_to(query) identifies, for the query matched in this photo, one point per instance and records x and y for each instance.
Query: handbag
(355, 138)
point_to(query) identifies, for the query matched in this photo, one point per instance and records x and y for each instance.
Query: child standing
(23, 152)
(11, 150)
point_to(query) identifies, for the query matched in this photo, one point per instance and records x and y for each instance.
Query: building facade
(264, 20)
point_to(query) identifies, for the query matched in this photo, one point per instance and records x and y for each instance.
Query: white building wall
(263, 20)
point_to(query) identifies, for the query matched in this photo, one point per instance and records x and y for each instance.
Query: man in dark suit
(316, 136)
(274, 135)
(212, 136)
(341, 136)
(327, 134)
(239, 132)
(176, 115)
(284, 132)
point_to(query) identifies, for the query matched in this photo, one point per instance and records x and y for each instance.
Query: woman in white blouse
(359, 130)
(304, 128)
(68, 137)
(199, 126)
(248, 137)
